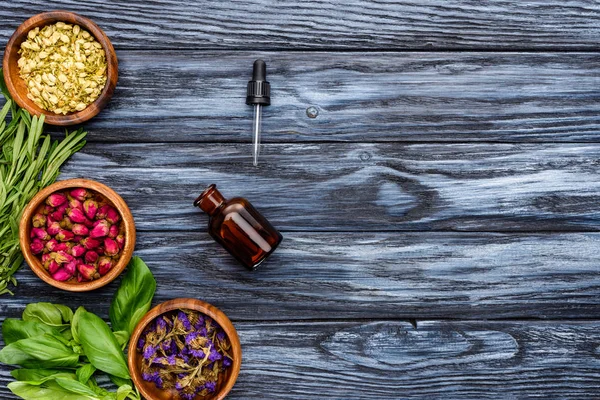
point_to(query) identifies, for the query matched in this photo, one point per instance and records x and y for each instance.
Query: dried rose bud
(110, 247)
(102, 211)
(74, 203)
(99, 250)
(80, 229)
(90, 207)
(120, 239)
(90, 243)
(62, 247)
(64, 235)
(104, 265)
(62, 275)
(51, 244)
(80, 194)
(39, 220)
(112, 215)
(91, 257)
(88, 223)
(78, 250)
(113, 231)
(46, 209)
(36, 246)
(77, 239)
(39, 233)
(46, 258)
(76, 215)
(61, 257)
(66, 223)
(53, 266)
(88, 272)
(100, 229)
(56, 199)
(53, 228)
(71, 267)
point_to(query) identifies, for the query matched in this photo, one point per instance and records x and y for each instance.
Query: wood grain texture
(454, 97)
(366, 275)
(358, 187)
(323, 24)
(393, 360)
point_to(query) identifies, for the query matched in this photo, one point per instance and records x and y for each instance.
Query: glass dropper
(258, 95)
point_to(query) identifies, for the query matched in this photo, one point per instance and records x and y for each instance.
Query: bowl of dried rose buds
(77, 234)
(184, 349)
(62, 65)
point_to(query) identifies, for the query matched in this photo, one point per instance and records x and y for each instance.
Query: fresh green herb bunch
(28, 163)
(61, 351)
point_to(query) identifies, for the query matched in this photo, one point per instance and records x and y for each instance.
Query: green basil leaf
(120, 381)
(122, 338)
(124, 391)
(44, 351)
(24, 374)
(85, 372)
(49, 391)
(133, 298)
(76, 387)
(75, 323)
(16, 329)
(101, 346)
(48, 313)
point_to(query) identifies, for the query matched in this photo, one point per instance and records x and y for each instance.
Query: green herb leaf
(48, 313)
(16, 329)
(101, 346)
(24, 374)
(122, 338)
(133, 298)
(49, 391)
(75, 323)
(85, 372)
(124, 391)
(45, 351)
(75, 386)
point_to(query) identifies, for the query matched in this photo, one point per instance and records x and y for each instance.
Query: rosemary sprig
(29, 161)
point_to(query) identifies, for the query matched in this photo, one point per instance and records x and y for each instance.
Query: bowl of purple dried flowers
(184, 349)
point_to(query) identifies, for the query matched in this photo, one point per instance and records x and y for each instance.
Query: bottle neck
(210, 200)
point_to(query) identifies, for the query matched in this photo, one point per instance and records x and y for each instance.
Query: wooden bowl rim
(190, 304)
(46, 18)
(116, 200)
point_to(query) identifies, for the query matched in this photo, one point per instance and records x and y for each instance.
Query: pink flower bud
(66, 223)
(39, 233)
(120, 239)
(74, 203)
(88, 223)
(61, 257)
(45, 209)
(104, 265)
(80, 229)
(71, 267)
(90, 207)
(80, 194)
(53, 266)
(56, 199)
(36, 246)
(39, 220)
(76, 215)
(90, 243)
(102, 211)
(91, 257)
(62, 275)
(53, 228)
(88, 272)
(100, 229)
(64, 235)
(51, 244)
(112, 215)
(77, 239)
(46, 258)
(110, 247)
(113, 231)
(77, 250)
(62, 247)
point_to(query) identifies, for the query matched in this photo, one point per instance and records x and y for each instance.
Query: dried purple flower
(184, 320)
(149, 352)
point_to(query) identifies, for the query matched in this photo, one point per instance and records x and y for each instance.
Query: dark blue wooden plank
(325, 24)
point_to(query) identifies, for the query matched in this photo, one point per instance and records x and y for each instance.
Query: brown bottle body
(239, 227)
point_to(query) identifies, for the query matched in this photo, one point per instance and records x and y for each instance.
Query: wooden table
(432, 167)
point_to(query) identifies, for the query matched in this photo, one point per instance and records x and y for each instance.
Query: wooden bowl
(18, 88)
(226, 379)
(111, 197)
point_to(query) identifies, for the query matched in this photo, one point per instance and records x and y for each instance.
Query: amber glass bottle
(238, 227)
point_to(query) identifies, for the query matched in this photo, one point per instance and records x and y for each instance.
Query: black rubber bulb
(259, 73)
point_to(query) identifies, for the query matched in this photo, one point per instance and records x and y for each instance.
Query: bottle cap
(259, 90)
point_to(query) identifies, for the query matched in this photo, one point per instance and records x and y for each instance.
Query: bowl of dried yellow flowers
(62, 65)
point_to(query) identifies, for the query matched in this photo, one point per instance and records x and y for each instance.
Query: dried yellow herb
(63, 66)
